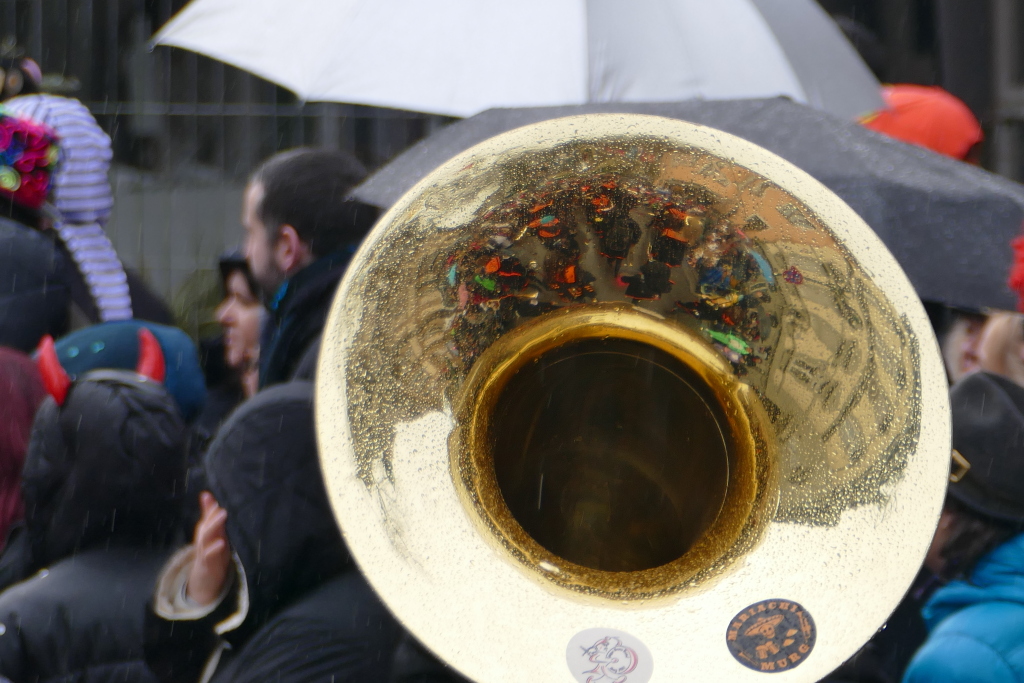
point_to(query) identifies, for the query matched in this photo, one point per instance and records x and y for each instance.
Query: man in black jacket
(301, 230)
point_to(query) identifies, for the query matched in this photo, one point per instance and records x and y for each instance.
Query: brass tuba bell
(621, 398)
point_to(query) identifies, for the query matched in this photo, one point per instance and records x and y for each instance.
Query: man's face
(260, 243)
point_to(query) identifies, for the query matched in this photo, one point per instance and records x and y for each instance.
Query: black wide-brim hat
(988, 430)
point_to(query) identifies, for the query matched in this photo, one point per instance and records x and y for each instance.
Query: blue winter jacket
(977, 626)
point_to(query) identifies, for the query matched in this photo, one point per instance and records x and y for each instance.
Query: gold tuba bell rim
(458, 588)
(751, 493)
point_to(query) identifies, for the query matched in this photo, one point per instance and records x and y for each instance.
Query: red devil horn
(151, 357)
(55, 378)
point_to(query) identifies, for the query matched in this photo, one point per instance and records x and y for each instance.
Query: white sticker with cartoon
(607, 655)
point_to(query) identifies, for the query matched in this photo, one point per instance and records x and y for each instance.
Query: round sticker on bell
(607, 655)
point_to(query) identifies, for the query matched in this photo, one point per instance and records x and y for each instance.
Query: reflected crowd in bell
(630, 389)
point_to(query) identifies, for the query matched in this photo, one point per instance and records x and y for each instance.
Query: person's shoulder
(959, 658)
(89, 608)
(316, 616)
(339, 629)
(100, 589)
(13, 230)
(984, 642)
(119, 570)
(24, 249)
(997, 622)
(320, 604)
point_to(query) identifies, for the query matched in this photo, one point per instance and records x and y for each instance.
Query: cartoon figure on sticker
(613, 659)
(771, 636)
(765, 627)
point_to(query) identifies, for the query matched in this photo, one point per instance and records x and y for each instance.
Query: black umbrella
(948, 223)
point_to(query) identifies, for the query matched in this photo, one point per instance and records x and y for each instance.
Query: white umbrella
(460, 57)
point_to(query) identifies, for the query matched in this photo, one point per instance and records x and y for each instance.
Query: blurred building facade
(973, 48)
(186, 129)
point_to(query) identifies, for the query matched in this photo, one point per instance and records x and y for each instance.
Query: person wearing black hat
(976, 621)
(102, 487)
(267, 591)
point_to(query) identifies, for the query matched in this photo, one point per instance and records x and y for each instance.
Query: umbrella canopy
(460, 57)
(948, 223)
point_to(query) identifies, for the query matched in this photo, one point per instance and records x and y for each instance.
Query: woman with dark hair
(976, 621)
(241, 316)
(231, 360)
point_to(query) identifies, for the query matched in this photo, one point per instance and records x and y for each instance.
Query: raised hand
(213, 554)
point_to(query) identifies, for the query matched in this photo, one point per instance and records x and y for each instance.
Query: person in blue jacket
(976, 621)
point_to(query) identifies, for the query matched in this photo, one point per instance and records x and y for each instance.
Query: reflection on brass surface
(708, 245)
(595, 557)
(624, 372)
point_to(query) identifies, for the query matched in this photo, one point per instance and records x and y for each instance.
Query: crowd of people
(162, 511)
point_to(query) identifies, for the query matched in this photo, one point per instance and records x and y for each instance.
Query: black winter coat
(337, 633)
(80, 619)
(292, 337)
(103, 474)
(310, 616)
(413, 663)
(34, 297)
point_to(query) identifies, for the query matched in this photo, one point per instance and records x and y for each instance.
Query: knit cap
(82, 196)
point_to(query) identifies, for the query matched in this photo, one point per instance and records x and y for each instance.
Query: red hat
(1016, 279)
(28, 156)
(927, 116)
